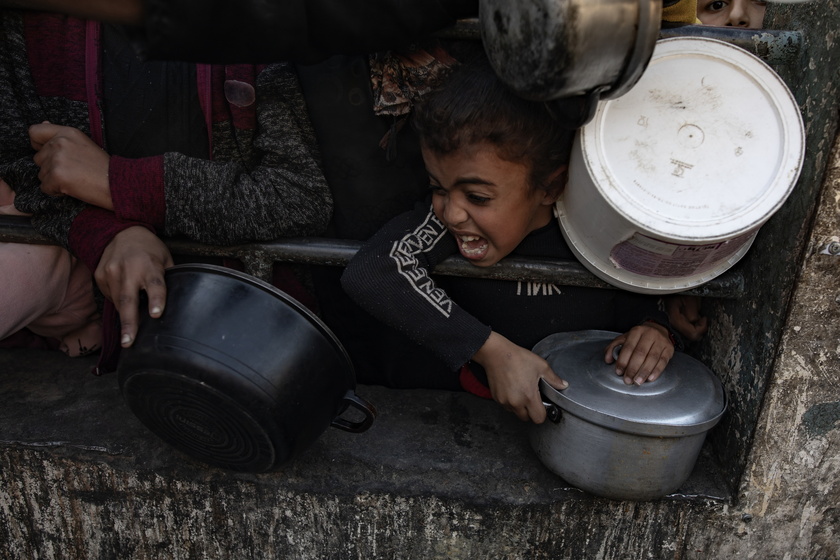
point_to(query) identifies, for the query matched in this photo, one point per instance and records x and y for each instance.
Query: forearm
(238, 207)
(389, 278)
(266, 183)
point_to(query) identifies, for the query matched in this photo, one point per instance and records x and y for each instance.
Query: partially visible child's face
(737, 13)
(485, 201)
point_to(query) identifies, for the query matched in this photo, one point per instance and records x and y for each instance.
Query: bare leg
(44, 288)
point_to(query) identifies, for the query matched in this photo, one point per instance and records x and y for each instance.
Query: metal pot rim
(277, 293)
(626, 425)
(687, 399)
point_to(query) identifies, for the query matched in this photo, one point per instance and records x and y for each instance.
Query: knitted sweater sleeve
(22, 106)
(390, 278)
(262, 187)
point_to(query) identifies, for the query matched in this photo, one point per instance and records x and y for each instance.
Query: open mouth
(472, 246)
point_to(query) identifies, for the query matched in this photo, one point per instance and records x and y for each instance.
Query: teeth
(465, 241)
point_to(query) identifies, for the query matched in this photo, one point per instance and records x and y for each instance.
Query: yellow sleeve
(684, 11)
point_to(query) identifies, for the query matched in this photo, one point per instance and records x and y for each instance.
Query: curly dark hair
(474, 106)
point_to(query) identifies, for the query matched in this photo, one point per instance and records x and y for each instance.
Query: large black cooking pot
(237, 373)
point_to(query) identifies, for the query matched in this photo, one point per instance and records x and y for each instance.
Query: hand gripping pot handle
(357, 402)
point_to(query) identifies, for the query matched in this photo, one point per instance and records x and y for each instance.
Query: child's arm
(685, 316)
(390, 278)
(514, 373)
(277, 191)
(645, 351)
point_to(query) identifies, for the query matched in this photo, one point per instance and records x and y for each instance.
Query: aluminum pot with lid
(623, 441)
(551, 49)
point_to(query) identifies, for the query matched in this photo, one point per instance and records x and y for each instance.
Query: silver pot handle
(357, 402)
(616, 351)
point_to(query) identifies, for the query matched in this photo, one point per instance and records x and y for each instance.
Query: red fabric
(110, 354)
(244, 117)
(92, 231)
(137, 189)
(56, 48)
(471, 384)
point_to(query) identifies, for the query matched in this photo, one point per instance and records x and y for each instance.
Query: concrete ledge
(439, 475)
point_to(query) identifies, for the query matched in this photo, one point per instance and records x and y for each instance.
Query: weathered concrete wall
(743, 342)
(439, 475)
(792, 485)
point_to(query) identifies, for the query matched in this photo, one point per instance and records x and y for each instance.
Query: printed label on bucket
(652, 257)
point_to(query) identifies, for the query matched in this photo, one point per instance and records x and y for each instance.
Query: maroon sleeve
(137, 189)
(92, 231)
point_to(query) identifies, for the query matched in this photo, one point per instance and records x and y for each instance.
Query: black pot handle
(357, 402)
(553, 411)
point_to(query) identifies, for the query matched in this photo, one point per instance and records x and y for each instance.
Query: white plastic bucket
(670, 183)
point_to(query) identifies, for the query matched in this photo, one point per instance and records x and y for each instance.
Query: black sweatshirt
(390, 279)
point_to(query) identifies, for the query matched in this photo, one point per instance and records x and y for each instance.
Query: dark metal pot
(236, 372)
(587, 49)
(622, 441)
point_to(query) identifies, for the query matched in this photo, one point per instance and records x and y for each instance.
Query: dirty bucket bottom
(644, 264)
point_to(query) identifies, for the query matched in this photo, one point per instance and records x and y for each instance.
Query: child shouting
(497, 164)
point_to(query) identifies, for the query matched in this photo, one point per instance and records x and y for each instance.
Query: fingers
(530, 407)
(70, 163)
(134, 261)
(535, 411)
(40, 134)
(646, 365)
(156, 291)
(645, 353)
(685, 316)
(128, 304)
(609, 351)
(127, 307)
(696, 330)
(556, 381)
(50, 141)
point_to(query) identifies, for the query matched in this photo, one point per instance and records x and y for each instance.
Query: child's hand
(133, 261)
(645, 351)
(514, 374)
(71, 164)
(684, 315)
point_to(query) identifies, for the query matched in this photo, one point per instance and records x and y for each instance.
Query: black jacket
(451, 317)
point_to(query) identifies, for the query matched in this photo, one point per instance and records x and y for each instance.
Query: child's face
(737, 13)
(485, 201)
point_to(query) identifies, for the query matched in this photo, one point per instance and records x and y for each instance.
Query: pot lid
(670, 155)
(686, 399)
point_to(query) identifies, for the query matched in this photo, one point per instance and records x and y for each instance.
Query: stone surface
(438, 475)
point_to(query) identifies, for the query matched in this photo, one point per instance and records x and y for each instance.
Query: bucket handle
(357, 402)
